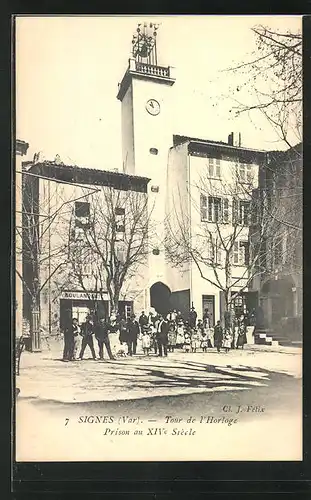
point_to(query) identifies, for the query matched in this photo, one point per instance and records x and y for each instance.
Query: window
(214, 250)
(120, 223)
(156, 251)
(153, 151)
(214, 209)
(244, 252)
(241, 253)
(154, 189)
(82, 209)
(214, 168)
(82, 220)
(119, 211)
(120, 252)
(244, 214)
(244, 172)
(241, 212)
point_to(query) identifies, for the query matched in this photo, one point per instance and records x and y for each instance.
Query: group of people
(78, 337)
(157, 333)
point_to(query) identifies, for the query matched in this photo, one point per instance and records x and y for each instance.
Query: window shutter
(218, 168)
(217, 202)
(242, 172)
(211, 167)
(225, 210)
(235, 204)
(219, 252)
(254, 206)
(249, 173)
(210, 209)
(236, 252)
(203, 207)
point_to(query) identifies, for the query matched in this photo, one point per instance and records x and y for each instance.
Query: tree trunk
(35, 340)
(114, 301)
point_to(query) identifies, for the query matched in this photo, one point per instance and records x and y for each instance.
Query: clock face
(153, 107)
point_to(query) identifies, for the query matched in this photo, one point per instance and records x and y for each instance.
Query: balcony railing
(150, 69)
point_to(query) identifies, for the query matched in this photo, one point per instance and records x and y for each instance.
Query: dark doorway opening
(208, 302)
(160, 295)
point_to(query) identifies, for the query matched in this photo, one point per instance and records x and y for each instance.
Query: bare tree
(271, 82)
(228, 244)
(109, 242)
(44, 260)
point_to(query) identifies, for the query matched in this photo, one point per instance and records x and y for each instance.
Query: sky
(68, 69)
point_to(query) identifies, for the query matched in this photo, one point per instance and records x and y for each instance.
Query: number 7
(67, 420)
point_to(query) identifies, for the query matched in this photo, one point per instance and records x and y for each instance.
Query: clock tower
(145, 95)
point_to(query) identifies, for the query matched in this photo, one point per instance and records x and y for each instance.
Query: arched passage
(160, 297)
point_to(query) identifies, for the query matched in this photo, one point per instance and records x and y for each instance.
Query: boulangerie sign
(194, 351)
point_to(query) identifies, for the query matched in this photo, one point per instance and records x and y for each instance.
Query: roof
(89, 176)
(207, 147)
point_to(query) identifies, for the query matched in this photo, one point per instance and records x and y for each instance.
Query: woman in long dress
(242, 339)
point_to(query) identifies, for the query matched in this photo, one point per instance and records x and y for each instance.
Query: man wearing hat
(102, 330)
(133, 332)
(87, 331)
(162, 335)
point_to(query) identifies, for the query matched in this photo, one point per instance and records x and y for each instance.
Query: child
(195, 340)
(172, 335)
(204, 341)
(180, 334)
(146, 341)
(187, 342)
(227, 340)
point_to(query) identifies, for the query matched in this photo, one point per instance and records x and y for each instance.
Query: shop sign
(84, 295)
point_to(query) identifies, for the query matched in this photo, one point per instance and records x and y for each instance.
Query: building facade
(280, 284)
(77, 223)
(209, 206)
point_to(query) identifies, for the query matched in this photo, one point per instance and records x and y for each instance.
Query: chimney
(234, 139)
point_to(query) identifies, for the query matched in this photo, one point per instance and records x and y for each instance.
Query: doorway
(208, 302)
(80, 312)
(160, 297)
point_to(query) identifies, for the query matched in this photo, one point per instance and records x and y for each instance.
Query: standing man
(122, 330)
(192, 317)
(162, 336)
(218, 336)
(133, 332)
(143, 321)
(87, 331)
(102, 330)
(68, 342)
